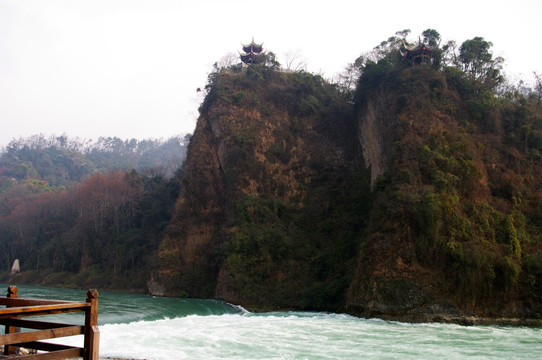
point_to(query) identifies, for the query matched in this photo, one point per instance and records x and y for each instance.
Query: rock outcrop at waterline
(397, 206)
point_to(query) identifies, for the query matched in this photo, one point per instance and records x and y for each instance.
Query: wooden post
(10, 350)
(92, 333)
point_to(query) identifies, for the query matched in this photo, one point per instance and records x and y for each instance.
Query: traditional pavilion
(253, 53)
(419, 54)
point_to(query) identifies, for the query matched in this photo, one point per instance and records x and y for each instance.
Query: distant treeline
(70, 205)
(60, 160)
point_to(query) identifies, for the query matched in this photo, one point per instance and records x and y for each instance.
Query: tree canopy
(476, 59)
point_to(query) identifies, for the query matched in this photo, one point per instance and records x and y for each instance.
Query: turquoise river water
(144, 327)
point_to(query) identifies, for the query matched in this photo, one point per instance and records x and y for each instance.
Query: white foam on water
(193, 332)
(311, 336)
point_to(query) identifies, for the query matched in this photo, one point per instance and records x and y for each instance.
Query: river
(144, 327)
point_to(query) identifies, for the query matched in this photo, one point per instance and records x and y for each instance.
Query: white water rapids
(142, 327)
(312, 336)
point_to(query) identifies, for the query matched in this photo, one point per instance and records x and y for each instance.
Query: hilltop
(86, 214)
(267, 214)
(412, 197)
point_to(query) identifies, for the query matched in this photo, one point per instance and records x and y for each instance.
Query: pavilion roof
(420, 47)
(253, 47)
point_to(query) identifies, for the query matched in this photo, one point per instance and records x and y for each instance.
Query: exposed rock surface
(378, 129)
(258, 153)
(290, 199)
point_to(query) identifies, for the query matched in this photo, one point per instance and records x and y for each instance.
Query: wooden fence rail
(17, 308)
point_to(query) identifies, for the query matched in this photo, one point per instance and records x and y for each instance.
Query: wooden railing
(17, 308)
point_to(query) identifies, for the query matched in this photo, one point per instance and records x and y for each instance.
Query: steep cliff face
(266, 173)
(421, 202)
(378, 129)
(190, 264)
(441, 242)
(389, 280)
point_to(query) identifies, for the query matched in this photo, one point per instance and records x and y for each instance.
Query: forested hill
(79, 213)
(60, 160)
(415, 196)
(456, 220)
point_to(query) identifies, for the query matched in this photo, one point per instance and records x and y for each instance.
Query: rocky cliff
(404, 204)
(443, 242)
(265, 181)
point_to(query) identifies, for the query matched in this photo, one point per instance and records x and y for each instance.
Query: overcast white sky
(131, 68)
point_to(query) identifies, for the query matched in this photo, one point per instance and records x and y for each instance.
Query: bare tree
(228, 60)
(538, 87)
(348, 79)
(449, 51)
(295, 61)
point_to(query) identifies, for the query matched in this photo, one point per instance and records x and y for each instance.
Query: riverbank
(462, 320)
(436, 313)
(138, 327)
(445, 313)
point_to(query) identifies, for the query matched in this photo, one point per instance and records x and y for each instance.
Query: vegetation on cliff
(458, 203)
(288, 199)
(278, 225)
